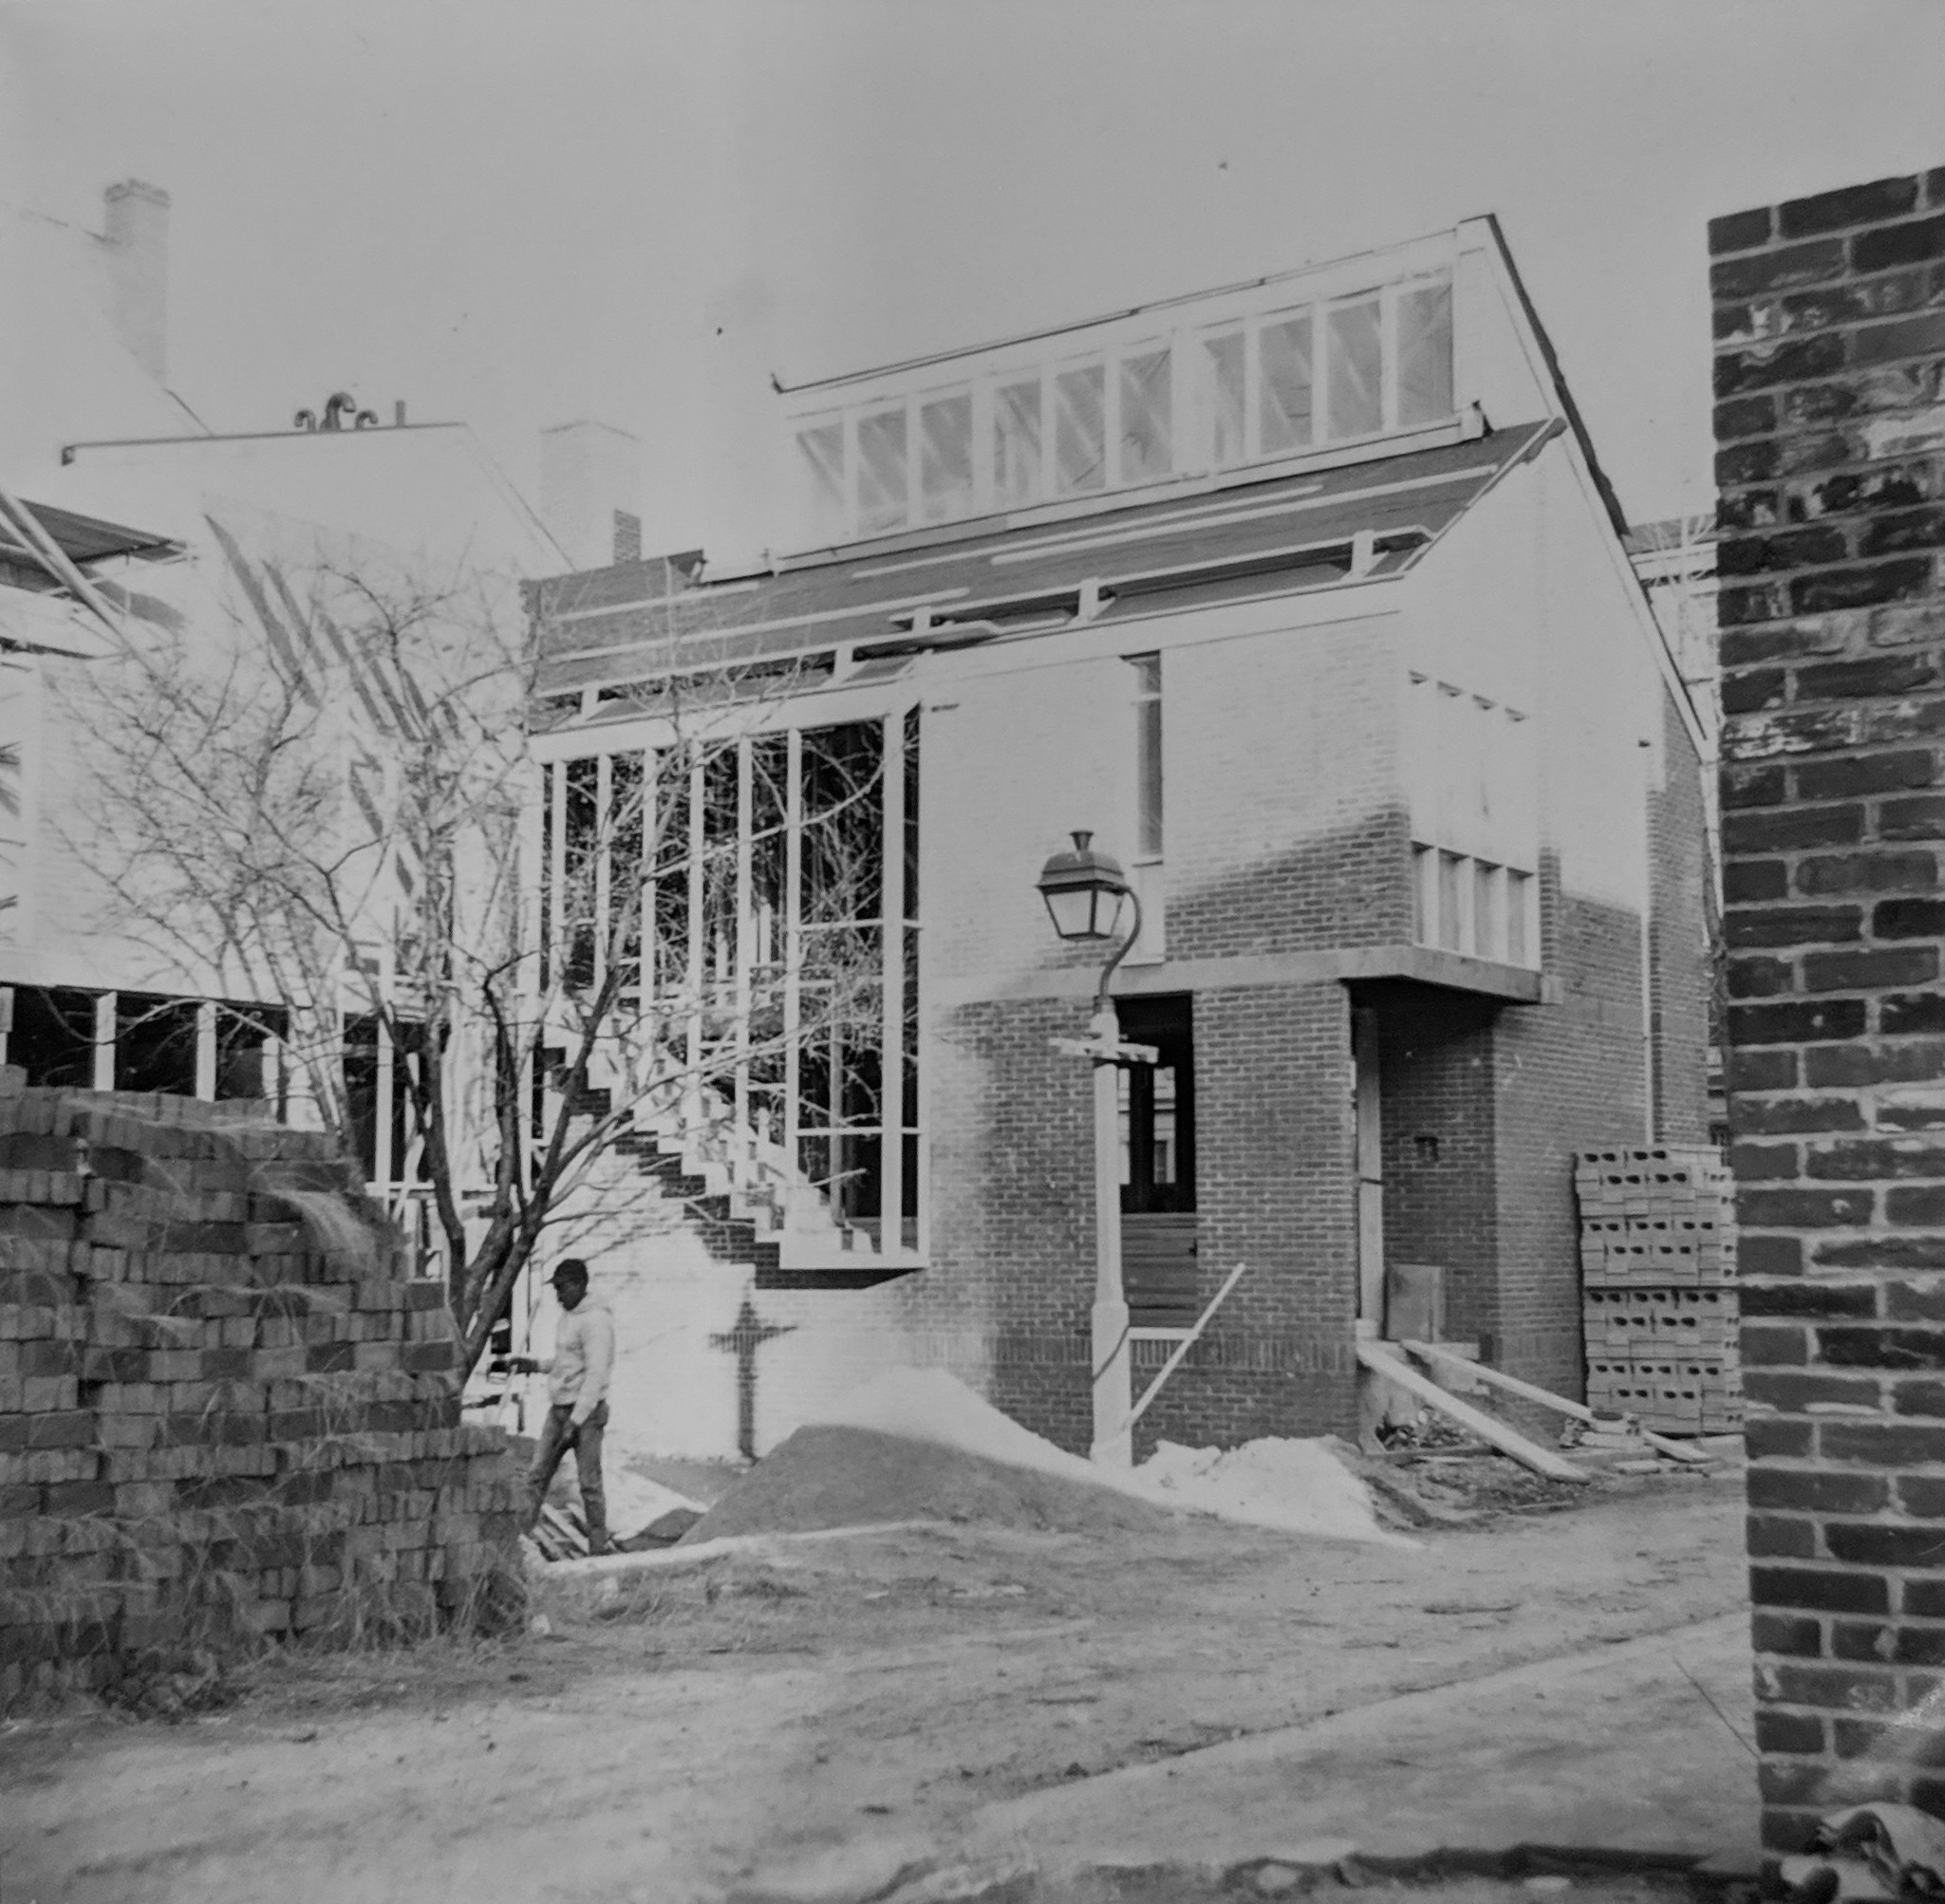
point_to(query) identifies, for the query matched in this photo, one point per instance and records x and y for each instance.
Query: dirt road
(666, 1741)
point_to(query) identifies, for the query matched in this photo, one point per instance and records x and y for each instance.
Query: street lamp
(1087, 895)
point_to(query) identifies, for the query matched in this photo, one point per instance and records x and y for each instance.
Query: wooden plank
(1508, 1441)
(1181, 1348)
(1430, 1351)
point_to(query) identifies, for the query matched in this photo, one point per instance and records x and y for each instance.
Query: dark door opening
(1158, 1231)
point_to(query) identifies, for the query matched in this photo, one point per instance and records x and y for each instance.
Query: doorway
(1158, 1226)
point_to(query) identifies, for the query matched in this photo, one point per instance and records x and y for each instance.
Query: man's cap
(572, 1270)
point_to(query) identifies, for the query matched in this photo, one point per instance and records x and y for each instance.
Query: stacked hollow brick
(1657, 1281)
(1830, 368)
(225, 1408)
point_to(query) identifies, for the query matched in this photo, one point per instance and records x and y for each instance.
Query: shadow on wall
(1350, 886)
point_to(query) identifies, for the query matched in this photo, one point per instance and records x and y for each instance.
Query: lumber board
(1431, 1351)
(1508, 1441)
(1175, 1361)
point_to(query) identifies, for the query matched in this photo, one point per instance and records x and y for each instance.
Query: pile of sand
(848, 1477)
(918, 1445)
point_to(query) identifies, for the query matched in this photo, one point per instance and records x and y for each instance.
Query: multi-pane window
(882, 499)
(1080, 421)
(1283, 391)
(1425, 352)
(945, 468)
(1146, 417)
(1016, 443)
(1356, 406)
(774, 992)
(1223, 357)
(1279, 383)
(820, 448)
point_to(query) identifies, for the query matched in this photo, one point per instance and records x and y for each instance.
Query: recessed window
(881, 500)
(1284, 404)
(1016, 443)
(1148, 420)
(1356, 369)
(1079, 429)
(945, 469)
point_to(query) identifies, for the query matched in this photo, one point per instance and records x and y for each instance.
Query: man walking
(577, 1399)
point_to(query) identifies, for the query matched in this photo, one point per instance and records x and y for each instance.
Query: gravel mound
(848, 1477)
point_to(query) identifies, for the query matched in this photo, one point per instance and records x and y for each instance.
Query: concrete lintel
(1426, 964)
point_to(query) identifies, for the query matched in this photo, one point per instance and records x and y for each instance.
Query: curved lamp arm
(1121, 951)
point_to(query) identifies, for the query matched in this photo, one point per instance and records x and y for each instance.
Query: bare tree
(325, 796)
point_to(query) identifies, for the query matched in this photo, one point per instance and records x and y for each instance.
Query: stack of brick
(1657, 1279)
(1830, 367)
(226, 1407)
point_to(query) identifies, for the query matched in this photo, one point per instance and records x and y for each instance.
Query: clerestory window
(1280, 383)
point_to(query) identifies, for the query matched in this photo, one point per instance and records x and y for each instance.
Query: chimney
(589, 481)
(137, 237)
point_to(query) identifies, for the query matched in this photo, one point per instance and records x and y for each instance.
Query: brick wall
(1830, 351)
(225, 1411)
(1436, 1072)
(1570, 1075)
(1286, 824)
(1275, 1176)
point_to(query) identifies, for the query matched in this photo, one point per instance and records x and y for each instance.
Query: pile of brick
(226, 1408)
(1658, 1292)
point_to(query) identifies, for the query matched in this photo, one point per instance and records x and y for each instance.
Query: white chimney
(136, 238)
(590, 480)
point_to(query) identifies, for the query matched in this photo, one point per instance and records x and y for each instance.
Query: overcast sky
(521, 213)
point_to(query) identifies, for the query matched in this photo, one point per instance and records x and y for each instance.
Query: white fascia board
(53, 624)
(1478, 234)
(826, 703)
(1631, 585)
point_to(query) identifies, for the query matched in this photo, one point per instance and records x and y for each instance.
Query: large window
(774, 997)
(1279, 383)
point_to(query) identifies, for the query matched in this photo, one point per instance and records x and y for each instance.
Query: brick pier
(1830, 423)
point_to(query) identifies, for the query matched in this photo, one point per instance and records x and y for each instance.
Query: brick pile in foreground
(225, 1409)
(1830, 371)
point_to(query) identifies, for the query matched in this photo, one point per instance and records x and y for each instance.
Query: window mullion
(558, 877)
(792, 942)
(891, 1003)
(745, 940)
(692, 1054)
(1388, 357)
(604, 863)
(1252, 389)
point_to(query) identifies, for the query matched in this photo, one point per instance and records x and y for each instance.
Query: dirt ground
(677, 1729)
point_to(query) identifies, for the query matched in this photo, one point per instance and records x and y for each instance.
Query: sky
(520, 213)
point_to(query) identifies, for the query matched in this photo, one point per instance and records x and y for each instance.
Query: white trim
(107, 1009)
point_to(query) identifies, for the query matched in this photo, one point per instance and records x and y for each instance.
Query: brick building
(1829, 355)
(1310, 600)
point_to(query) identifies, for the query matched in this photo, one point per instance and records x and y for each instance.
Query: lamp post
(1087, 893)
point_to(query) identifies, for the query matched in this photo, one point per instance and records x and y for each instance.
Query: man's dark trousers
(558, 1435)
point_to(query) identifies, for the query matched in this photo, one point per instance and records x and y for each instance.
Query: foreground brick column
(1830, 348)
